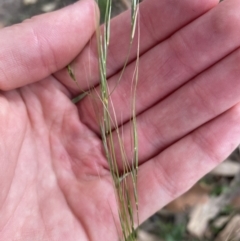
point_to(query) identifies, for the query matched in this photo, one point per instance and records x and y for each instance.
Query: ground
(15, 11)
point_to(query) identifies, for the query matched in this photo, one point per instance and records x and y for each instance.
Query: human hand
(55, 182)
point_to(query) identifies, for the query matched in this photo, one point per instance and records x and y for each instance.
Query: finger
(154, 27)
(180, 166)
(36, 48)
(197, 102)
(172, 63)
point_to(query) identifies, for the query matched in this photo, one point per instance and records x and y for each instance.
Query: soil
(15, 11)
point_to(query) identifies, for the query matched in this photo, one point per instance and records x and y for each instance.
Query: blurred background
(15, 11)
(210, 211)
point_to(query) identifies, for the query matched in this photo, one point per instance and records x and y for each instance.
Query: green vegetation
(126, 180)
(102, 4)
(122, 181)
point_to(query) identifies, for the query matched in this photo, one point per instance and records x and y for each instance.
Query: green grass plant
(125, 180)
(120, 180)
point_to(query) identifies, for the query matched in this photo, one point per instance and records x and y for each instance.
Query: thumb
(38, 47)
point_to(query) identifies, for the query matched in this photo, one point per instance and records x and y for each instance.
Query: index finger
(38, 47)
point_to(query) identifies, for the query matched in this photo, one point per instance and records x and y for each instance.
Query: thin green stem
(125, 182)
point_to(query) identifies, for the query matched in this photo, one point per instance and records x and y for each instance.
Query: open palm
(54, 179)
